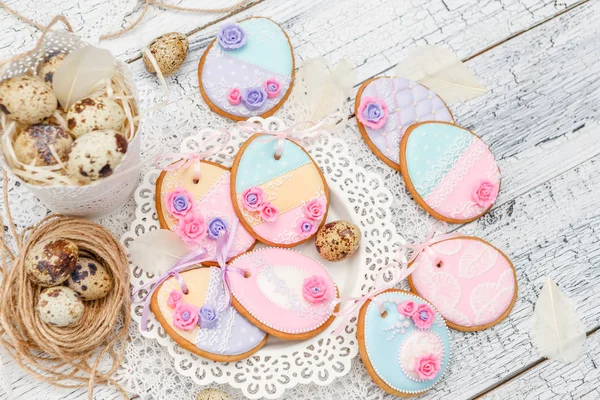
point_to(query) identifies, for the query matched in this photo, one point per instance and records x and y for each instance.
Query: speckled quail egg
(97, 114)
(169, 51)
(49, 67)
(60, 306)
(27, 99)
(213, 394)
(90, 279)
(337, 240)
(50, 262)
(53, 120)
(32, 145)
(95, 155)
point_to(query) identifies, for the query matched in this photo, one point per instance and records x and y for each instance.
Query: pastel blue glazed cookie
(406, 349)
(248, 70)
(386, 107)
(449, 171)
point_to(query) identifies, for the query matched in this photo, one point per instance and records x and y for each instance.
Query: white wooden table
(540, 60)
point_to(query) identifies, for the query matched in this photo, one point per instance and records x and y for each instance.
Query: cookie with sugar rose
(194, 201)
(449, 171)
(471, 283)
(248, 70)
(202, 320)
(403, 342)
(283, 292)
(386, 107)
(279, 193)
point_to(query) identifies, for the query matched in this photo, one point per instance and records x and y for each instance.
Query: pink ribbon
(301, 132)
(189, 261)
(381, 286)
(175, 161)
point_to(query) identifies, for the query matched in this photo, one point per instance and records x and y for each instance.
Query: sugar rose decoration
(185, 316)
(423, 316)
(268, 212)
(252, 198)
(407, 308)
(174, 298)
(179, 202)
(254, 98)
(234, 96)
(272, 87)
(231, 37)
(485, 194)
(215, 227)
(427, 367)
(207, 317)
(372, 112)
(315, 290)
(314, 209)
(306, 227)
(192, 228)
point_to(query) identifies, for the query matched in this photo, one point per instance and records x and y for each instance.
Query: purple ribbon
(189, 261)
(224, 243)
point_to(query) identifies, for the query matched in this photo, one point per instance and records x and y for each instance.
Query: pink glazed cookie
(197, 211)
(473, 286)
(283, 292)
(449, 171)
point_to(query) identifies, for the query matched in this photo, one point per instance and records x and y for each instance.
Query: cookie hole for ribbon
(384, 314)
(185, 291)
(196, 181)
(247, 274)
(439, 264)
(277, 157)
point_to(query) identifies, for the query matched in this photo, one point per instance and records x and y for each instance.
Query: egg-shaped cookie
(201, 320)
(283, 292)
(449, 171)
(386, 107)
(181, 201)
(282, 202)
(403, 342)
(471, 283)
(248, 70)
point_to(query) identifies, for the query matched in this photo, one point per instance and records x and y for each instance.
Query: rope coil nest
(69, 356)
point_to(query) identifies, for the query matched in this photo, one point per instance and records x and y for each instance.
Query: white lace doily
(279, 366)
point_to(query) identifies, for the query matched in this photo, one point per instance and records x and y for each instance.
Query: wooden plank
(553, 380)
(374, 35)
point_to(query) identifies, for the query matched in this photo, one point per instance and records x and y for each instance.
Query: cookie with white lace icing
(386, 107)
(182, 203)
(202, 321)
(449, 171)
(473, 285)
(283, 292)
(403, 342)
(248, 70)
(282, 201)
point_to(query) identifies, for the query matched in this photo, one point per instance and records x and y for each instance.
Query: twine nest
(69, 356)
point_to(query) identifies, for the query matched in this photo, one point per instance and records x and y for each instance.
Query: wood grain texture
(540, 119)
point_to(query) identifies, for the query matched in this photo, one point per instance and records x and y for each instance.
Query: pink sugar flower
(427, 367)
(315, 290)
(272, 87)
(423, 316)
(314, 209)
(175, 298)
(407, 308)
(253, 198)
(192, 228)
(268, 212)
(179, 202)
(234, 96)
(185, 316)
(372, 112)
(306, 227)
(485, 194)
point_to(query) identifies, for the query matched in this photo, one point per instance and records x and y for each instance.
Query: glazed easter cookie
(386, 107)
(472, 284)
(248, 70)
(183, 205)
(282, 202)
(283, 292)
(449, 170)
(405, 348)
(202, 321)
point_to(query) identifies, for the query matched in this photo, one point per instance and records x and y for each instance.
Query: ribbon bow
(381, 286)
(174, 161)
(189, 261)
(304, 131)
(224, 243)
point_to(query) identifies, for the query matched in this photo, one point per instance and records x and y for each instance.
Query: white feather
(557, 331)
(440, 70)
(321, 92)
(81, 73)
(157, 251)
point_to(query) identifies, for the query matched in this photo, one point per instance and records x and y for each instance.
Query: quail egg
(90, 279)
(95, 155)
(32, 145)
(60, 306)
(27, 99)
(169, 51)
(213, 394)
(50, 262)
(49, 67)
(337, 240)
(94, 114)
